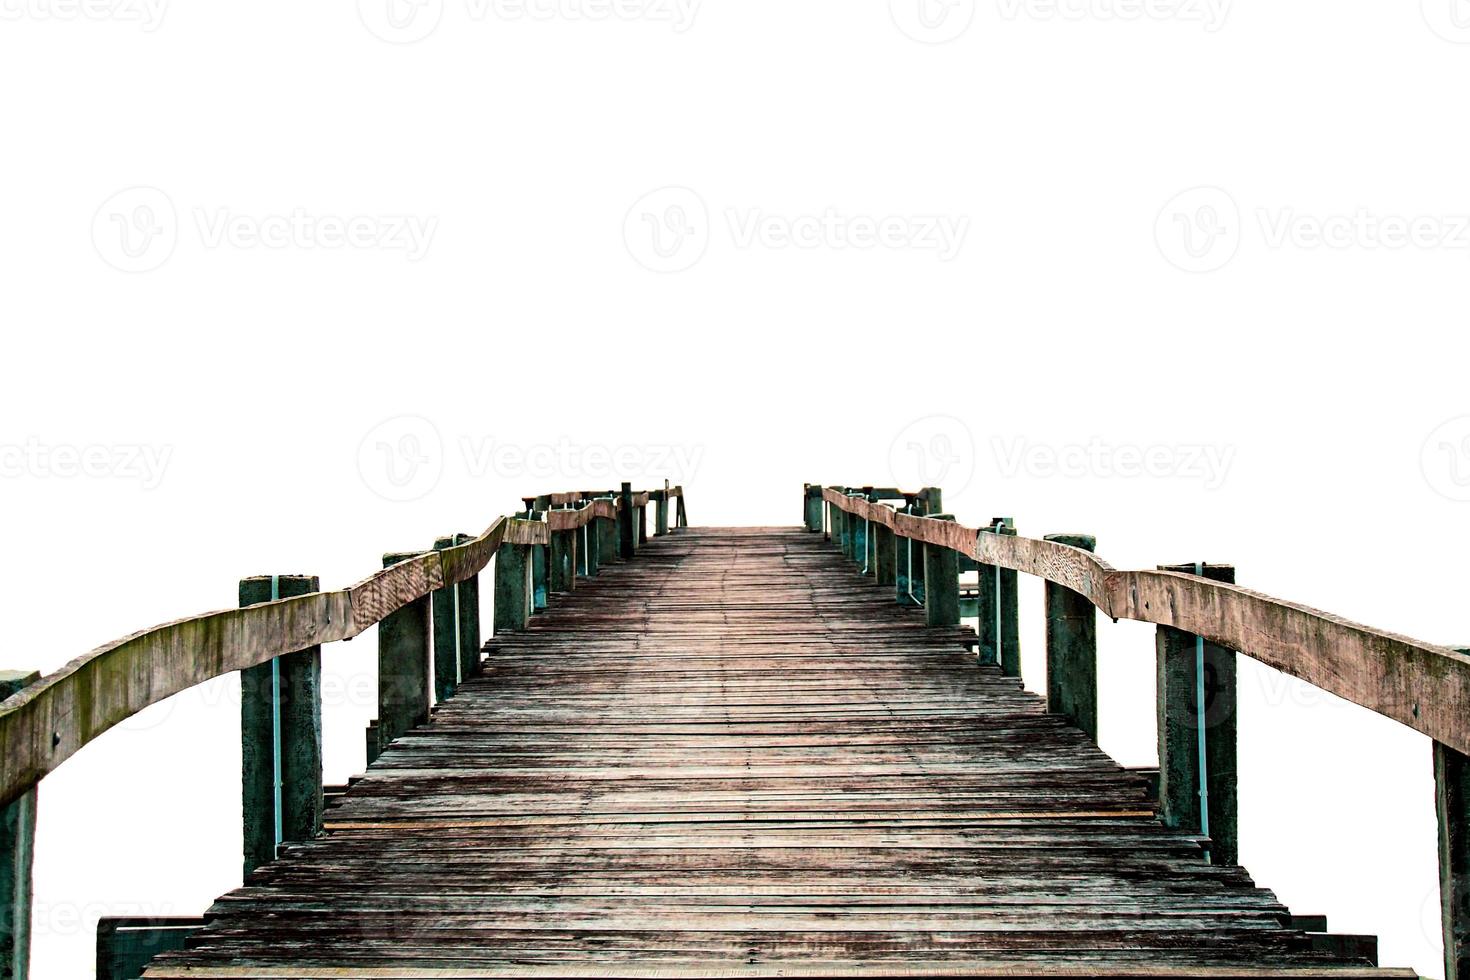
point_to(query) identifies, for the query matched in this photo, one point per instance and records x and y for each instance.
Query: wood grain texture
(732, 756)
(1421, 685)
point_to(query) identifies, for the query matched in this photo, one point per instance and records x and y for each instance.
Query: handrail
(48, 722)
(1421, 685)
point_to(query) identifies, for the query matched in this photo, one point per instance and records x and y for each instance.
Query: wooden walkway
(733, 756)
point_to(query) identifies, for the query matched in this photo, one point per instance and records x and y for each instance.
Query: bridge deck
(732, 757)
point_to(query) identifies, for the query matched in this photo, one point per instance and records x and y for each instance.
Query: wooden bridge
(729, 752)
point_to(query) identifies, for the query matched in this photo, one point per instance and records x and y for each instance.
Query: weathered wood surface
(1421, 685)
(732, 756)
(46, 724)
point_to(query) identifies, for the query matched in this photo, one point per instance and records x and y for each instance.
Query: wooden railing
(1203, 619)
(422, 602)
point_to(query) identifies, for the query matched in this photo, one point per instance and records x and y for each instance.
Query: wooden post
(536, 508)
(280, 736)
(941, 583)
(642, 520)
(885, 555)
(448, 660)
(513, 596)
(627, 537)
(563, 561)
(682, 514)
(1452, 807)
(859, 543)
(812, 507)
(126, 945)
(607, 541)
(999, 615)
(839, 528)
(591, 558)
(469, 620)
(661, 512)
(1180, 721)
(403, 669)
(1071, 648)
(908, 562)
(17, 850)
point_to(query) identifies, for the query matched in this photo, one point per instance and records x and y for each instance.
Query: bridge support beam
(660, 512)
(512, 588)
(17, 850)
(941, 583)
(403, 669)
(1452, 806)
(444, 604)
(999, 616)
(642, 525)
(812, 507)
(885, 555)
(627, 534)
(1188, 776)
(1071, 648)
(539, 562)
(607, 538)
(590, 557)
(280, 736)
(682, 515)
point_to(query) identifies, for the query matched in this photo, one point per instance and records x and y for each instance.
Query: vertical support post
(904, 554)
(839, 528)
(536, 508)
(1452, 807)
(1071, 648)
(607, 540)
(513, 597)
(661, 512)
(885, 555)
(642, 520)
(941, 583)
(403, 668)
(859, 552)
(1189, 775)
(999, 616)
(682, 514)
(812, 507)
(469, 621)
(445, 607)
(280, 736)
(17, 852)
(591, 555)
(627, 538)
(564, 560)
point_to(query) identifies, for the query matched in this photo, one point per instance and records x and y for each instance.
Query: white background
(296, 387)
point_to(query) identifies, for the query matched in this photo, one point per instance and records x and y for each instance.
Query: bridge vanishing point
(736, 752)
